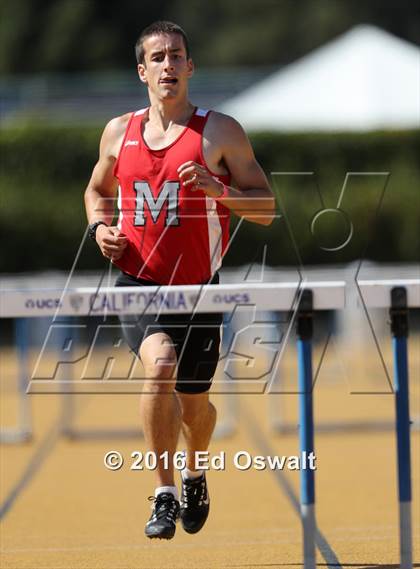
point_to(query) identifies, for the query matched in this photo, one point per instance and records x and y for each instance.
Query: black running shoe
(195, 504)
(163, 520)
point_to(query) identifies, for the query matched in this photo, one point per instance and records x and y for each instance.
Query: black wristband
(93, 227)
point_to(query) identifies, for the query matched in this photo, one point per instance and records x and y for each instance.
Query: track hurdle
(303, 299)
(306, 426)
(399, 328)
(398, 297)
(22, 431)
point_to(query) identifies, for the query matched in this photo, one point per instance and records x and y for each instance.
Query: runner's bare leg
(198, 422)
(159, 406)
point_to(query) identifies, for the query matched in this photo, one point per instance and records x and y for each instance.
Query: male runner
(173, 165)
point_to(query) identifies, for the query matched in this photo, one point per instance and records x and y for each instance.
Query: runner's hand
(111, 242)
(197, 177)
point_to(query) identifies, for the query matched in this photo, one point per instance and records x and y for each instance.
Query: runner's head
(163, 59)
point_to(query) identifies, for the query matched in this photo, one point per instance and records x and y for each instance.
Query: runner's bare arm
(102, 187)
(252, 198)
(228, 145)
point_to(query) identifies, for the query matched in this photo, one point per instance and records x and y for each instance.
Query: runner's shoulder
(117, 126)
(113, 134)
(224, 128)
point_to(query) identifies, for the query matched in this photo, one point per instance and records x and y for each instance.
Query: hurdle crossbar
(89, 301)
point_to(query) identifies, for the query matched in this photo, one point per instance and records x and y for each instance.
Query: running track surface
(62, 509)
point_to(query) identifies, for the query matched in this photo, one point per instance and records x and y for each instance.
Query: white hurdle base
(14, 436)
(342, 426)
(307, 512)
(406, 547)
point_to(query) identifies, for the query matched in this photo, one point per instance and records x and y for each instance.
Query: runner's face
(166, 69)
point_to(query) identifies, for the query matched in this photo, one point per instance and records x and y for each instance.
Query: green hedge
(45, 170)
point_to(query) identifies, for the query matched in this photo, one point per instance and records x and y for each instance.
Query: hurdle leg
(230, 402)
(22, 341)
(306, 427)
(67, 333)
(23, 430)
(399, 328)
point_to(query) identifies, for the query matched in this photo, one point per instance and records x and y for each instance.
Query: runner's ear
(190, 65)
(141, 70)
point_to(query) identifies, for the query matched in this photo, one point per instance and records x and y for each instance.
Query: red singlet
(175, 235)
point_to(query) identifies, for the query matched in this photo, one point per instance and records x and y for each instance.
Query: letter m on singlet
(169, 193)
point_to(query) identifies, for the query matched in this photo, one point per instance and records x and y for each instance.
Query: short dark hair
(160, 27)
